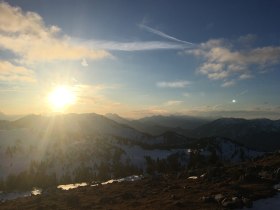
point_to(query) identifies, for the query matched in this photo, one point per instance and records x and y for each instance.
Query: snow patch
(192, 177)
(14, 195)
(71, 186)
(126, 179)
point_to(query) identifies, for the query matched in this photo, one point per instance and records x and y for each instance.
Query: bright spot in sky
(233, 101)
(61, 97)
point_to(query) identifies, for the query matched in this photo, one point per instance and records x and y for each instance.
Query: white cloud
(233, 59)
(26, 35)
(174, 84)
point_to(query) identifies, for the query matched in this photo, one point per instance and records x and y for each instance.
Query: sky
(141, 58)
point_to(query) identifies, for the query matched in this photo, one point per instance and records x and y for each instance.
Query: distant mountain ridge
(4, 116)
(90, 124)
(262, 134)
(158, 124)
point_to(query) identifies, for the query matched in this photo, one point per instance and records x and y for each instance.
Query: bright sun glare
(61, 97)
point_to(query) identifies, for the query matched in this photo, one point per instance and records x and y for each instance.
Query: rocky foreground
(223, 187)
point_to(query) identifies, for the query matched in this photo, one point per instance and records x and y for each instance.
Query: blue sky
(139, 58)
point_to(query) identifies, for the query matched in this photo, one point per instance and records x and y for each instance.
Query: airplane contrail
(164, 35)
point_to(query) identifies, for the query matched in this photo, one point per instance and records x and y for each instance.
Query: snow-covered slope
(63, 143)
(223, 149)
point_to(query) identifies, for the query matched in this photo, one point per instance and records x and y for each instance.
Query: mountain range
(261, 134)
(158, 124)
(77, 147)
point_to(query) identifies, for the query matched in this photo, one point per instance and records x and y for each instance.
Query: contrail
(154, 31)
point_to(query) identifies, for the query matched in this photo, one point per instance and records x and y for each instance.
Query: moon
(233, 101)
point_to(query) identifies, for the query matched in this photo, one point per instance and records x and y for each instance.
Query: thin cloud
(149, 112)
(242, 93)
(228, 83)
(186, 94)
(173, 103)
(164, 35)
(174, 84)
(13, 73)
(245, 76)
(249, 114)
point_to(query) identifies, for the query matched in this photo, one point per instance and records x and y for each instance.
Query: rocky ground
(223, 187)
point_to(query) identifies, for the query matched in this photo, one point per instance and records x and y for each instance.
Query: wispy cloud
(172, 44)
(149, 112)
(164, 35)
(135, 46)
(174, 84)
(228, 83)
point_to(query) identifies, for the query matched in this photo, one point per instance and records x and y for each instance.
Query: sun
(61, 97)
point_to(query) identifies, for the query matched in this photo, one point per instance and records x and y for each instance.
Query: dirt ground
(251, 180)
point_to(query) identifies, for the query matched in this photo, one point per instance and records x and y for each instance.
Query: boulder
(178, 204)
(219, 197)
(247, 202)
(207, 199)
